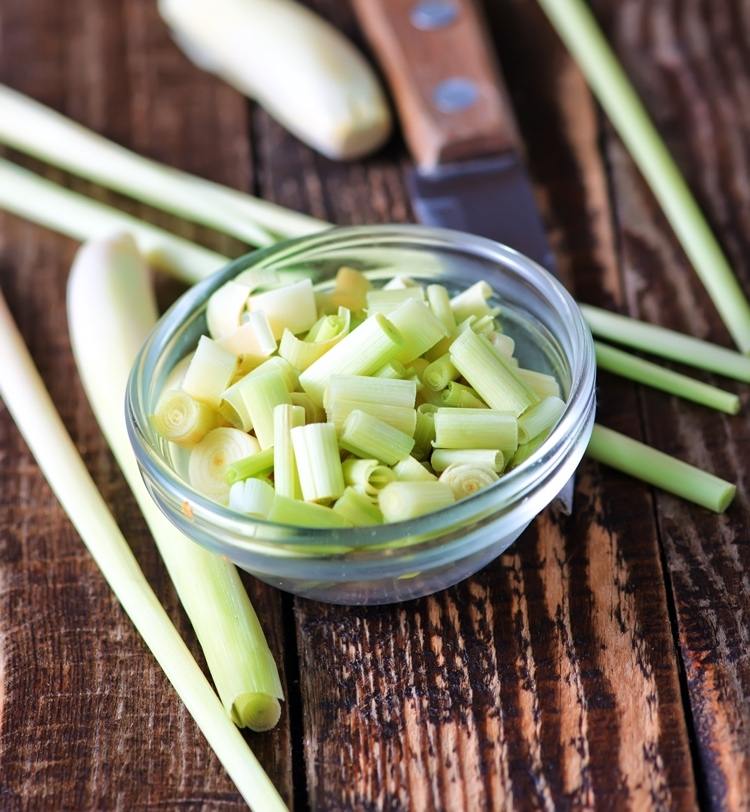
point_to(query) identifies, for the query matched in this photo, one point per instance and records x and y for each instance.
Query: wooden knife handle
(443, 75)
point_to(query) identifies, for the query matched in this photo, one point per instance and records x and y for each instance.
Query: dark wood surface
(601, 663)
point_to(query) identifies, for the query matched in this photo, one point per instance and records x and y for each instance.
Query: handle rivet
(455, 94)
(429, 15)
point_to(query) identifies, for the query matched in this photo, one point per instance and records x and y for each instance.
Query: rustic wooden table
(602, 662)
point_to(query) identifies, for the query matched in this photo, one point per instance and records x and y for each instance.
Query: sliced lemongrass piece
(305, 514)
(313, 412)
(209, 373)
(542, 416)
(253, 497)
(356, 508)
(181, 419)
(486, 325)
(291, 307)
(212, 456)
(316, 453)
(437, 374)
(257, 464)
(255, 397)
(464, 397)
(351, 289)
(418, 367)
(523, 452)
(440, 304)
(485, 457)
(225, 308)
(543, 385)
(285, 476)
(374, 343)
(400, 501)
(501, 343)
(252, 340)
(637, 369)
(490, 374)
(419, 328)
(387, 300)
(660, 469)
(389, 392)
(411, 470)
(282, 366)
(301, 353)
(400, 417)
(465, 479)
(367, 436)
(444, 345)
(472, 301)
(367, 476)
(476, 428)
(393, 369)
(424, 431)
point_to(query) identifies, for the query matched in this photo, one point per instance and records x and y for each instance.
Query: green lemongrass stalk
(356, 508)
(350, 290)
(367, 436)
(424, 431)
(659, 469)
(667, 343)
(440, 304)
(524, 451)
(111, 311)
(258, 464)
(389, 392)
(289, 307)
(438, 374)
(419, 328)
(41, 201)
(465, 479)
(181, 419)
(486, 325)
(539, 382)
(637, 369)
(464, 397)
(305, 514)
(411, 470)
(316, 453)
(285, 475)
(400, 417)
(280, 365)
(386, 300)
(211, 458)
(253, 399)
(484, 457)
(26, 398)
(301, 353)
(472, 301)
(253, 497)
(393, 369)
(36, 130)
(540, 417)
(367, 476)
(578, 28)
(400, 501)
(490, 374)
(313, 412)
(209, 372)
(253, 340)
(476, 428)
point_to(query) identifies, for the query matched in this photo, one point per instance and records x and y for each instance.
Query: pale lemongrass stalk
(367, 476)
(285, 476)
(209, 373)
(577, 26)
(486, 325)
(465, 479)
(356, 508)
(301, 353)
(257, 464)
(539, 382)
(400, 501)
(367, 436)
(645, 372)
(476, 428)
(503, 344)
(212, 456)
(393, 369)
(253, 399)
(225, 308)
(41, 201)
(400, 417)
(350, 289)
(290, 307)
(472, 301)
(386, 300)
(253, 497)
(424, 431)
(313, 412)
(542, 416)
(461, 396)
(439, 373)
(523, 452)
(26, 398)
(318, 459)
(659, 469)
(484, 457)
(419, 328)
(418, 366)
(280, 365)
(181, 419)
(411, 470)
(490, 374)
(111, 311)
(305, 514)
(252, 341)
(389, 392)
(440, 304)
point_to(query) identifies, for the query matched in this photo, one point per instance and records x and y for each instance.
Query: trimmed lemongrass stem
(29, 403)
(111, 311)
(285, 476)
(278, 364)
(253, 497)
(225, 308)
(419, 328)
(475, 428)
(645, 372)
(411, 470)
(301, 354)
(440, 304)
(313, 412)
(41, 201)
(366, 436)
(438, 374)
(578, 28)
(400, 501)
(465, 479)
(484, 457)
(385, 300)
(490, 374)
(257, 464)
(252, 340)
(367, 476)
(358, 509)
(523, 452)
(666, 343)
(30, 127)
(389, 392)
(350, 290)
(544, 385)
(424, 432)
(472, 301)
(456, 394)
(400, 417)
(210, 370)
(540, 417)
(182, 419)
(253, 399)
(212, 456)
(393, 369)
(374, 343)
(316, 453)
(304, 514)
(659, 469)
(290, 307)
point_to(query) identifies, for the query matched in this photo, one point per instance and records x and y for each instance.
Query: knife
(458, 124)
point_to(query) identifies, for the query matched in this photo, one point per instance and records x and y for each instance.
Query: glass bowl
(390, 562)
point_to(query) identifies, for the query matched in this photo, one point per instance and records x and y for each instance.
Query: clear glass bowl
(390, 562)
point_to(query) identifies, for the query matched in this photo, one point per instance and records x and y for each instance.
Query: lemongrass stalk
(305, 514)
(393, 369)
(419, 328)
(225, 308)
(367, 476)
(374, 343)
(539, 382)
(316, 453)
(456, 394)
(400, 417)
(282, 366)
(387, 300)
(301, 354)
(387, 392)
(503, 344)
(524, 451)
(26, 398)
(253, 497)
(577, 26)
(291, 307)
(253, 340)
(209, 373)
(285, 475)
(400, 501)
(659, 469)
(367, 436)
(486, 325)
(411, 470)
(211, 457)
(41, 201)
(356, 508)
(418, 366)
(667, 380)
(440, 304)
(250, 402)
(259, 463)
(182, 419)
(472, 301)
(483, 457)
(313, 412)
(490, 374)
(424, 431)
(438, 374)
(476, 428)
(542, 416)
(465, 479)
(350, 290)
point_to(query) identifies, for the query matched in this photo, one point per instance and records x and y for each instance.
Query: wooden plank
(87, 718)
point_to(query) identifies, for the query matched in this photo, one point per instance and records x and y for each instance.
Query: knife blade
(459, 125)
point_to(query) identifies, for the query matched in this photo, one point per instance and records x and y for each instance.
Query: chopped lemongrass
(257, 464)
(393, 369)
(400, 417)
(485, 326)
(367, 476)
(209, 373)
(659, 469)
(523, 452)
(465, 479)
(419, 329)
(418, 366)
(304, 514)
(253, 497)
(476, 428)
(667, 343)
(399, 282)
(411, 470)
(503, 344)
(350, 290)
(367, 436)
(389, 392)
(424, 432)
(400, 501)
(313, 412)
(542, 416)
(278, 364)
(212, 456)
(291, 307)
(301, 353)
(385, 300)
(440, 304)
(472, 301)
(316, 453)
(253, 398)
(253, 340)
(438, 374)
(285, 477)
(637, 369)
(181, 419)
(542, 384)
(225, 308)
(356, 508)
(490, 374)
(484, 457)
(456, 394)
(374, 343)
